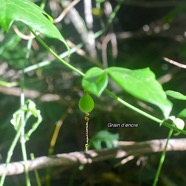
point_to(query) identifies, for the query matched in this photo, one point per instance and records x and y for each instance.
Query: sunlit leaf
(175, 95)
(142, 84)
(30, 14)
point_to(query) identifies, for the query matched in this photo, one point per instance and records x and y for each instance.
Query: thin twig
(21, 35)
(65, 11)
(174, 63)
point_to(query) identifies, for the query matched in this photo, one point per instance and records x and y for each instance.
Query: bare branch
(68, 160)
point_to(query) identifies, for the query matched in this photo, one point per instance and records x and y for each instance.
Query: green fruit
(86, 103)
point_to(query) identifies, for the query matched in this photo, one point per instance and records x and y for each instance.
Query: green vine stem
(162, 159)
(47, 62)
(23, 119)
(38, 180)
(10, 153)
(161, 122)
(113, 14)
(170, 126)
(57, 57)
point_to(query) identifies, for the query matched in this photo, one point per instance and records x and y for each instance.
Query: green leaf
(182, 114)
(142, 84)
(175, 95)
(105, 138)
(95, 81)
(30, 14)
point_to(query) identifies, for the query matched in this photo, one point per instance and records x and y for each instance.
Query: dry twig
(174, 62)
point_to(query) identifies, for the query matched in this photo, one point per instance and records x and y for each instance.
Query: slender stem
(59, 124)
(132, 107)
(24, 154)
(113, 14)
(162, 122)
(43, 4)
(23, 121)
(38, 181)
(162, 159)
(63, 55)
(47, 62)
(57, 57)
(10, 153)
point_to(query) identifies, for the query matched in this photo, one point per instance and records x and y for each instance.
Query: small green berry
(86, 103)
